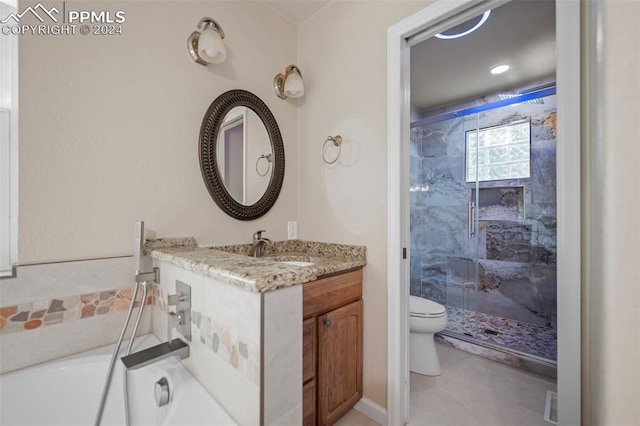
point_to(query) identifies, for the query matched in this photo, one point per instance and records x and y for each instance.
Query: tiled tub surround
(221, 308)
(516, 244)
(53, 310)
(246, 319)
(232, 348)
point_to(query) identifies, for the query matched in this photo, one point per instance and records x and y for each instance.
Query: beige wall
(342, 52)
(109, 128)
(611, 373)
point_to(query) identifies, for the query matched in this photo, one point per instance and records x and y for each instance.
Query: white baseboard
(372, 410)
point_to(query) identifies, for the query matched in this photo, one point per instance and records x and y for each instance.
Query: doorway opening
(491, 194)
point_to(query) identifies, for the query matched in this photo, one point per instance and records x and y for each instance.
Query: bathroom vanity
(276, 339)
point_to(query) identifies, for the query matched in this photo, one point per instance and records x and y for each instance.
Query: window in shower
(499, 152)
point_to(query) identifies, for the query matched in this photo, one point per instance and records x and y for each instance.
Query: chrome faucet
(259, 243)
(156, 353)
(181, 320)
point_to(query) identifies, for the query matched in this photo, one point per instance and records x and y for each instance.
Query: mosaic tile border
(33, 315)
(231, 348)
(242, 355)
(521, 336)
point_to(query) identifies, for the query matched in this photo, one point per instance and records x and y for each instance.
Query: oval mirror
(241, 155)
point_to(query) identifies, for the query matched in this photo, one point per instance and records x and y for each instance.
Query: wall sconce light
(206, 46)
(289, 84)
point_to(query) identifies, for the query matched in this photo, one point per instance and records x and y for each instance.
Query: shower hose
(114, 357)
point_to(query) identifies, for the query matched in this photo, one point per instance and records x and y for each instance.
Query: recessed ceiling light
(482, 20)
(499, 69)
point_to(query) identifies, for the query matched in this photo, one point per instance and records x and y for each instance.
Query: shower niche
(483, 218)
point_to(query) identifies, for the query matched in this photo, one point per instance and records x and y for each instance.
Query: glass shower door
(462, 267)
(444, 243)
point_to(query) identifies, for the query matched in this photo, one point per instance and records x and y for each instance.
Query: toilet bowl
(425, 319)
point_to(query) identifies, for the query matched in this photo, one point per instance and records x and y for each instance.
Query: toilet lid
(420, 307)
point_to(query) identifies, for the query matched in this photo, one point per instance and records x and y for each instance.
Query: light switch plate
(292, 230)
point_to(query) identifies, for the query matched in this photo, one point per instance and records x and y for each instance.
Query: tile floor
(355, 418)
(472, 391)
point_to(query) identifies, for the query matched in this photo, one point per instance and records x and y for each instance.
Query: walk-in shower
(483, 218)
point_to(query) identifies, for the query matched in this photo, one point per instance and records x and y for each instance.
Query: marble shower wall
(516, 243)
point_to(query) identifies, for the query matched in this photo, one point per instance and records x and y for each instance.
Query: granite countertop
(233, 265)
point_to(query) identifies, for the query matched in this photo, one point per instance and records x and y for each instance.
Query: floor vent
(489, 331)
(551, 408)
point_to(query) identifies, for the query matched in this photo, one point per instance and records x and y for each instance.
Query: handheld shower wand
(140, 278)
(138, 239)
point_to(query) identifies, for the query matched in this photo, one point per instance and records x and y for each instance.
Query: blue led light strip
(480, 108)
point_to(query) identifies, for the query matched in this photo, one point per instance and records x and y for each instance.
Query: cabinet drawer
(328, 293)
(309, 404)
(308, 349)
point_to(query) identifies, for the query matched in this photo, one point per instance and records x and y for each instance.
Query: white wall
(611, 373)
(109, 128)
(342, 52)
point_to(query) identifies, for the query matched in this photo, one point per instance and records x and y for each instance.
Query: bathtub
(67, 391)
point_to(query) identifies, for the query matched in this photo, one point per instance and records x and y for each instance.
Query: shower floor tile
(521, 336)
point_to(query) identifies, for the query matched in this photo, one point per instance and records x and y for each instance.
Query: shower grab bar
(471, 212)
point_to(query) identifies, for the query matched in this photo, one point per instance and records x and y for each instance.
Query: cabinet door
(308, 349)
(309, 404)
(339, 362)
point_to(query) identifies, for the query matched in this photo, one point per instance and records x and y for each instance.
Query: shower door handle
(471, 212)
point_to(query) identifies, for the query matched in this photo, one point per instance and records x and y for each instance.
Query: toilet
(425, 319)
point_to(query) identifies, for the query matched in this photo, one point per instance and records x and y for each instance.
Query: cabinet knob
(327, 323)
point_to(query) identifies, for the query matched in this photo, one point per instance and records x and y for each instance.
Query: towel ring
(337, 141)
(266, 157)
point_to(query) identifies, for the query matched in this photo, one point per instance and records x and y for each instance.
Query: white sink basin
(294, 263)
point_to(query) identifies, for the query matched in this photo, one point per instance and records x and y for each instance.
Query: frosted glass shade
(211, 47)
(293, 86)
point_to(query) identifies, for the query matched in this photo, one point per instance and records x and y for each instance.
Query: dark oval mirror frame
(211, 124)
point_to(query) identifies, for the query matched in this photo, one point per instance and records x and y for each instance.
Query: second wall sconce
(289, 84)
(206, 45)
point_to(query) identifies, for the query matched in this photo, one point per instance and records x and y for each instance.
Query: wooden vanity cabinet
(332, 347)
